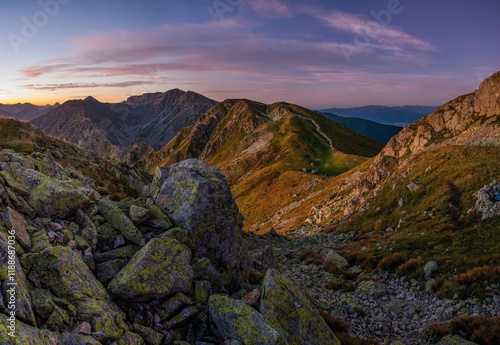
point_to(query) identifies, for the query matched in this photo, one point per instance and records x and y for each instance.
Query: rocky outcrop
(197, 198)
(469, 120)
(90, 270)
(488, 200)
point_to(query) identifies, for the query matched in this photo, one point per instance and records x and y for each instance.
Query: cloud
(55, 87)
(377, 32)
(270, 8)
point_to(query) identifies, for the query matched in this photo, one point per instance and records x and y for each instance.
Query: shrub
(409, 266)
(342, 331)
(480, 274)
(391, 261)
(437, 330)
(479, 329)
(312, 256)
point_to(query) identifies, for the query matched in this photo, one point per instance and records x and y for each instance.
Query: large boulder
(65, 273)
(197, 198)
(233, 319)
(161, 268)
(289, 311)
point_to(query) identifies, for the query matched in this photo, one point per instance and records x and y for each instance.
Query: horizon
(319, 55)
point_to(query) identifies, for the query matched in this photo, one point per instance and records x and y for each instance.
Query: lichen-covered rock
(105, 318)
(151, 336)
(11, 272)
(161, 268)
(108, 270)
(129, 338)
(454, 340)
(338, 261)
(234, 319)
(172, 305)
(65, 273)
(42, 301)
(486, 200)
(138, 214)
(197, 198)
(23, 334)
(16, 222)
(429, 269)
(371, 288)
(118, 220)
(289, 311)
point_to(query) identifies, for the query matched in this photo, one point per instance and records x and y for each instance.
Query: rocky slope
(270, 154)
(169, 267)
(124, 131)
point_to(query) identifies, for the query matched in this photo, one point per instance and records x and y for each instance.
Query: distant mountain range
(24, 111)
(128, 130)
(397, 116)
(378, 131)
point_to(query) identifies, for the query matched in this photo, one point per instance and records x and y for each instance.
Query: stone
(486, 200)
(289, 311)
(40, 241)
(58, 320)
(454, 340)
(174, 304)
(129, 338)
(161, 268)
(336, 260)
(42, 302)
(252, 298)
(429, 269)
(108, 270)
(232, 319)
(179, 319)
(17, 223)
(371, 288)
(138, 214)
(83, 328)
(197, 198)
(119, 221)
(105, 318)
(202, 290)
(65, 273)
(11, 272)
(151, 336)
(120, 253)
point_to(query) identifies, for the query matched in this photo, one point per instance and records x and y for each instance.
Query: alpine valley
(171, 218)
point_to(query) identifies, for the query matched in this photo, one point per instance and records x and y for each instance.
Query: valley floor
(388, 309)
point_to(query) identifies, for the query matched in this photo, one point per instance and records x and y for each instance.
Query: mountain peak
(90, 99)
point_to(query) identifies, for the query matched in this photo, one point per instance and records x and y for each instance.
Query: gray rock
(337, 260)
(429, 269)
(233, 319)
(161, 268)
(118, 220)
(454, 340)
(371, 288)
(197, 198)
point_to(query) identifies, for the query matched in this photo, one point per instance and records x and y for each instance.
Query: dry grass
(481, 330)
(342, 330)
(437, 330)
(341, 285)
(312, 256)
(480, 274)
(391, 261)
(409, 266)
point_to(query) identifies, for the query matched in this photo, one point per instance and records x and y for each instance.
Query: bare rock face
(198, 199)
(488, 200)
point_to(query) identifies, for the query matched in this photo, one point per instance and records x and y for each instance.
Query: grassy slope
(110, 177)
(459, 242)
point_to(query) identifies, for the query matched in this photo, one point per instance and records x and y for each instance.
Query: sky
(316, 53)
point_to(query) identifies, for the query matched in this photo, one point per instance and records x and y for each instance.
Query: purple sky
(319, 53)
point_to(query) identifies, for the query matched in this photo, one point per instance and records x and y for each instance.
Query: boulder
(118, 220)
(454, 340)
(338, 261)
(65, 273)
(289, 311)
(233, 319)
(197, 198)
(16, 222)
(371, 288)
(161, 268)
(429, 269)
(11, 272)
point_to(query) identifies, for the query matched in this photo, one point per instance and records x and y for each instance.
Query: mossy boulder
(24, 334)
(9, 260)
(129, 338)
(289, 311)
(234, 319)
(371, 288)
(454, 340)
(161, 268)
(197, 198)
(118, 220)
(105, 318)
(65, 273)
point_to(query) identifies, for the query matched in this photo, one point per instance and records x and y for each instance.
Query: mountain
(397, 116)
(430, 195)
(380, 132)
(24, 111)
(270, 154)
(128, 130)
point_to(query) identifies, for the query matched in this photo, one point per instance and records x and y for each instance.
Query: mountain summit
(126, 130)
